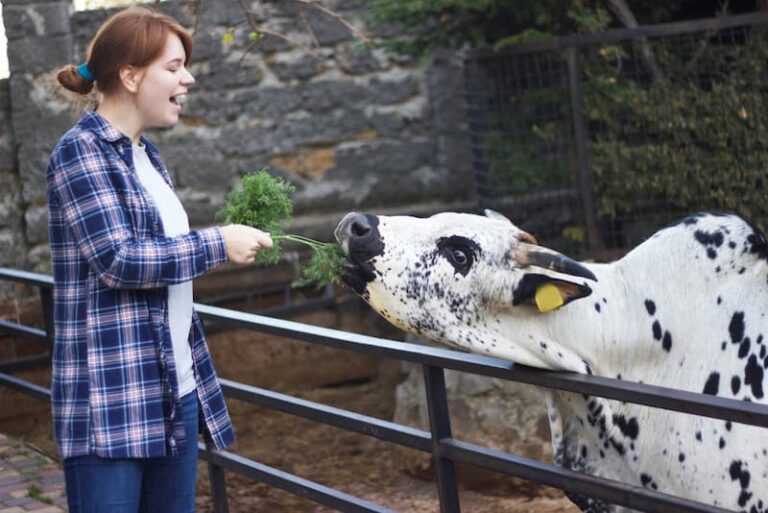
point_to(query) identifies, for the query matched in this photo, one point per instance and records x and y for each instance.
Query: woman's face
(163, 88)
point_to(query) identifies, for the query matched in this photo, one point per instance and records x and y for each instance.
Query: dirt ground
(361, 466)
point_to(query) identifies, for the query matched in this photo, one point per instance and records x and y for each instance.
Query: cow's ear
(546, 292)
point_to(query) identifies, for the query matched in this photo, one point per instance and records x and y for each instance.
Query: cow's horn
(527, 254)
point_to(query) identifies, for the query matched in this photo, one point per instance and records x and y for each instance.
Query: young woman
(133, 379)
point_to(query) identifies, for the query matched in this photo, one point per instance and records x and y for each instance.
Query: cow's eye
(459, 257)
(459, 251)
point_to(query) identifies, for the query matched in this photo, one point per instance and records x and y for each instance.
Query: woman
(132, 375)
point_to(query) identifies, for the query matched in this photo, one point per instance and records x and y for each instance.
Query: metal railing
(445, 450)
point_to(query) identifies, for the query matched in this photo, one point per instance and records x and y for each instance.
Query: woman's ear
(131, 77)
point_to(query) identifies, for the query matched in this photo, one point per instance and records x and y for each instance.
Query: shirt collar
(94, 122)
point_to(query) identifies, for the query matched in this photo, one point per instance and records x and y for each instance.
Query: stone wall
(11, 227)
(354, 128)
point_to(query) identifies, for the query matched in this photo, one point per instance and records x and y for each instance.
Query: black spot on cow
(681, 457)
(753, 377)
(739, 472)
(666, 342)
(719, 300)
(758, 243)
(707, 239)
(735, 385)
(736, 327)
(629, 427)
(648, 481)
(744, 348)
(722, 442)
(597, 307)
(657, 330)
(698, 436)
(650, 306)
(712, 385)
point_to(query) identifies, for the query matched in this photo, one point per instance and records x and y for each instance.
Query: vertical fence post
(440, 426)
(218, 485)
(477, 114)
(46, 302)
(586, 182)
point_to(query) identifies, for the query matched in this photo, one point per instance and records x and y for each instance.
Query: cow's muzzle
(360, 241)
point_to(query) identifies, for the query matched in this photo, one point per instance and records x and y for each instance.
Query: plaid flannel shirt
(114, 386)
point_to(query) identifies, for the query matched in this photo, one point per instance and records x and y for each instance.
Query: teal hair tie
(84, 72)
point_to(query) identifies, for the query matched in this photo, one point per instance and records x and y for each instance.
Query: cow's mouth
(360, 241)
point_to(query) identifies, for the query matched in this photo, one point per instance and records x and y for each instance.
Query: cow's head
(432, 275)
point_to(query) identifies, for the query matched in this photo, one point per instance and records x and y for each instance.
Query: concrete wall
(355, 129)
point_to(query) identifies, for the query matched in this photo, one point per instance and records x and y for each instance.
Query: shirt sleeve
(81, 181)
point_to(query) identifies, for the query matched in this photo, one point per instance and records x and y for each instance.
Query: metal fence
(593, 142)
(445, 449)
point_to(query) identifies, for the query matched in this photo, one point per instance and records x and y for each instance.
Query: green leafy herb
(262, 202)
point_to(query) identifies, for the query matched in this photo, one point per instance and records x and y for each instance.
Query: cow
(686, 309)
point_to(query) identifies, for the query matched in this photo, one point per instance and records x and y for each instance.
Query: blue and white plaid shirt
(114, 385)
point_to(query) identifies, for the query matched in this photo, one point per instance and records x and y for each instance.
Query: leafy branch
(262, 202)
(258, 31)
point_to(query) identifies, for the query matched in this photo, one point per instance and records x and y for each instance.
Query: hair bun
(71, 80)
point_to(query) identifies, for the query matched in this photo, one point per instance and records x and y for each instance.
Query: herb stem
(301, 239)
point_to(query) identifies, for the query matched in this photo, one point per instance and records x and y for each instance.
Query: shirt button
(172, 441)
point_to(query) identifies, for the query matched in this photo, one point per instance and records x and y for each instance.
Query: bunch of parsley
(262, 201)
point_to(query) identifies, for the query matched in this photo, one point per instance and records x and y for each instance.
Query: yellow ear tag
(548, 298)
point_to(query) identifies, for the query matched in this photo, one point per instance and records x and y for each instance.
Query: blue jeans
(133, 485)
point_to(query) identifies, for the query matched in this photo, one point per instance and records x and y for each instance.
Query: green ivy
(695, 139)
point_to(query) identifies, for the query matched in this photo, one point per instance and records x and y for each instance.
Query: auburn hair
(133, 37)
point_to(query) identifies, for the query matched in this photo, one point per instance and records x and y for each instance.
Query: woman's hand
(244, 242)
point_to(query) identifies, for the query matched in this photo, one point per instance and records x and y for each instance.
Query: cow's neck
(591, 334)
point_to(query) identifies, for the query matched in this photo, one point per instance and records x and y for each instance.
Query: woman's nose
(188, 79)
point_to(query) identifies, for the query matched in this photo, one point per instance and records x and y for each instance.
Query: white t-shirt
(175, 222)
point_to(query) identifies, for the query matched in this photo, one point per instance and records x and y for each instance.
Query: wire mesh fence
(671, 119)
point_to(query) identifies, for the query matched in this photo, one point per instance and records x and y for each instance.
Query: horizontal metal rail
(26, 362)
(26, 277)
(639, 393)
(337, 417)
(291, 483)
(21, 385)
(21, 330)
(617, 35)
(608, 490)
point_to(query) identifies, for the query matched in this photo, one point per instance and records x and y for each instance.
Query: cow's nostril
(360, 227)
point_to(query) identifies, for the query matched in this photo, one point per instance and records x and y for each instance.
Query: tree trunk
(621, 11)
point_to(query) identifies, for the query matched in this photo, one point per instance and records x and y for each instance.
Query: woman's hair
(135, 36)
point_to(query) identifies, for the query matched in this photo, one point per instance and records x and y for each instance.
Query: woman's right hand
(244, 242)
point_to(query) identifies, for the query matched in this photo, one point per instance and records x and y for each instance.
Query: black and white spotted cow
(686, 309)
